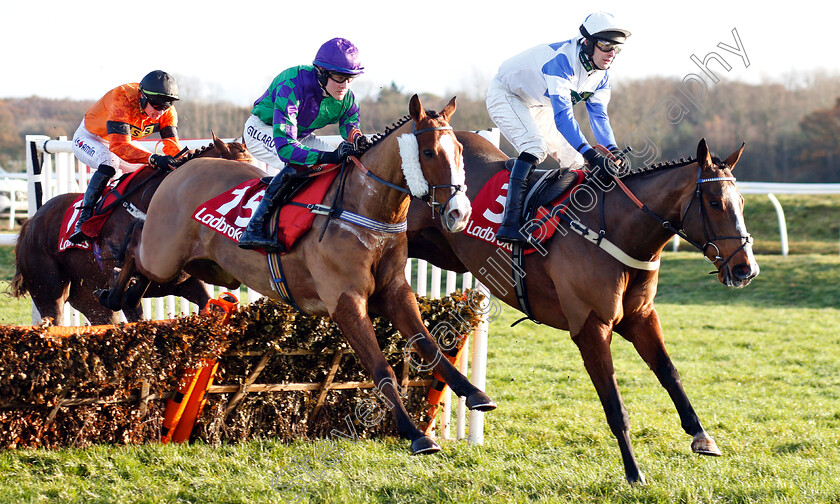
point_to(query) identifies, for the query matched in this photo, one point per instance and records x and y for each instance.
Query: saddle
(290, 219)
(544, 187)
(113, 195)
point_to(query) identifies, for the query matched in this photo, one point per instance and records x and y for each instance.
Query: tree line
(792, 131)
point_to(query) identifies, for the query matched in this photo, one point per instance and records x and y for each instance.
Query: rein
(705, 219)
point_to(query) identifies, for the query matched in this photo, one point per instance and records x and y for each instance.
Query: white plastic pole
(780, 214)
(478, 375)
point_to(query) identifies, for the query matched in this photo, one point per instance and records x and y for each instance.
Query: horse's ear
(448, 110)
(733, 158)
(704, 158)
(221, 146)
(415, 109)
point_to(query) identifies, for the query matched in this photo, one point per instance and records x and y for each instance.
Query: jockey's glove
(360, 143)
(340, 154)
(162, 162)
(602, 168)
(620, 156)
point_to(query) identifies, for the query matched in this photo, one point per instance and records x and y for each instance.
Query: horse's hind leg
(400, 307)
(593, 341)
(84, 300)
(49, 300)
(645, 332)
(351, 316)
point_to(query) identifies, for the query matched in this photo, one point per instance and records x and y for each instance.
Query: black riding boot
(94, 190)
(509, 230)
(254, 235)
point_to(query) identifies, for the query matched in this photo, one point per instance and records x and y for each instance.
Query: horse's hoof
(424, 446)
(480, 401)
(703, 444)
(639, 480)
(104, 296)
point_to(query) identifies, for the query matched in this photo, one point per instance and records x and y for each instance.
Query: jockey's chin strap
(710, 242)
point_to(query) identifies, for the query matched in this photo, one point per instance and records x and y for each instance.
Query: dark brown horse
(342, 269)
(52, 278)
(573, 285)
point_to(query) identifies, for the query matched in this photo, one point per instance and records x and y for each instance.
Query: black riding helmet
(158, 88)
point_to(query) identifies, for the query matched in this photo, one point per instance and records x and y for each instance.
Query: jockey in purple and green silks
(299, 101)
(296, 105)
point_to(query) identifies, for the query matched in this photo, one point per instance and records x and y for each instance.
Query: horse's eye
(429, 153)
(716, 204)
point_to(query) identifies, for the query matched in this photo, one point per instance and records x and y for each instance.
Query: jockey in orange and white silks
(531, 100)
(106, 137)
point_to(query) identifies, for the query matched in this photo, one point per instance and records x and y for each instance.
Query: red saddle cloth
(93, 226)
(229, 212)
(488, 208)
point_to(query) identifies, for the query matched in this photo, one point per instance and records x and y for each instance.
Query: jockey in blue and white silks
(531, 100)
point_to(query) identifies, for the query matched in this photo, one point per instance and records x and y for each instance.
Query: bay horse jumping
(574, 285)
(52, 277)
(340, 269)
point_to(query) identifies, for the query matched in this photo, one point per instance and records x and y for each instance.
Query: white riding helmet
(601, 25)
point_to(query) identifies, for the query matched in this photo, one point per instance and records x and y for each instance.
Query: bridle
(429, 197)
(708, 233)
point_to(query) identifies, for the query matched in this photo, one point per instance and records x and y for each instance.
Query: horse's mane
(377, 137)
(196, 153)
(675, 163)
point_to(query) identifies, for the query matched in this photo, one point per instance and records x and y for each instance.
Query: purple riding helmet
(339, 55)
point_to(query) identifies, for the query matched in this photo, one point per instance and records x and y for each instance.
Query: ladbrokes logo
(218, 223)
(486, 233)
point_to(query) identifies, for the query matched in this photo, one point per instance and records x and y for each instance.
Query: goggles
(162, 106)
(607, 46)
(342, 78)
(158, 101)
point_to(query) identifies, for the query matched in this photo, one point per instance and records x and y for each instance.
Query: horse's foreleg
(400, 307)
(134, 293)
(645, 332)
(593, 341)
(351, 316)
(194, 291)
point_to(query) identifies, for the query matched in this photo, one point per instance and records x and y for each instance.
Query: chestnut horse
(341, 269)
(52, 277)
(573, 285)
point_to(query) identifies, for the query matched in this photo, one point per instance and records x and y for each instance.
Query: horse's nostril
(742, 271)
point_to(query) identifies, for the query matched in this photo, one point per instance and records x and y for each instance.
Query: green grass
(760, 364)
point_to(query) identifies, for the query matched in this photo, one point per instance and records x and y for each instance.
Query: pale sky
(232, 50)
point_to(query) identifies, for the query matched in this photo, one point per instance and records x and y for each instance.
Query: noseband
(430, 196)
(707, 226)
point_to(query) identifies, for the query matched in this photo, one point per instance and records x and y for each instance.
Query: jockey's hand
(618, 154)
(602, 168)
(360, 143)
(162, 162)
(340, 154)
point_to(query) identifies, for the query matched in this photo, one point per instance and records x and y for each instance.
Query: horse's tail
(135, 226)
(18, 286)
